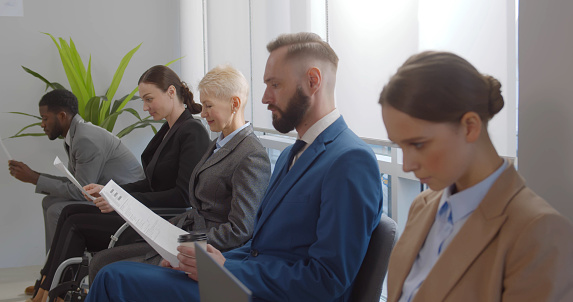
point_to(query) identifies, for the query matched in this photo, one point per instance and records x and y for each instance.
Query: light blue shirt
(462, 205)
(221, 141)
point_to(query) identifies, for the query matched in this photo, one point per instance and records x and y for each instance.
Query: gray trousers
(52, 207)
(137, 252)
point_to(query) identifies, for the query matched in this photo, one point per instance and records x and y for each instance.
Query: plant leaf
(92, 110)
(132, 111)
(37, 75)
(109, 122)
(111, 119)
(27, 114)
(154, 129)
(127, 99)
(74, 74)
(77, 61)
(28, 134)
(139, 124)
(117, 103)
(56, 85)
(73, 77)
(26, 127)
(171, 62)
(117, 78)
(89, 80)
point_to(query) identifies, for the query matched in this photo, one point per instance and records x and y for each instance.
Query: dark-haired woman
(479, 233)
(168, 161)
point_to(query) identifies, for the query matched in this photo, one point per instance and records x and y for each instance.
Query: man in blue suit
(316, 218)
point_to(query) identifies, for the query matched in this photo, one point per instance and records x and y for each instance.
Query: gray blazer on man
(226, 189)
(95, 156)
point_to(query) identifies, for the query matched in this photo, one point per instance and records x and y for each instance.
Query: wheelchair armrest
(167, 213)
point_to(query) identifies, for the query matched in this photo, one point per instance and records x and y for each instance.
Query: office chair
(368, 282)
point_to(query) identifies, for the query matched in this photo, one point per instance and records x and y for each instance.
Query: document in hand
(5, 150)
(58, 164)
(158, 232)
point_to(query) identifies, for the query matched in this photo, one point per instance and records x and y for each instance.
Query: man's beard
(56, 131)
(293, 114)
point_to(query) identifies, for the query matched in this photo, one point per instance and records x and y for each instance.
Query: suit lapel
(163, 141)
(282, 185)
(193, 179)
(413, 238)
(473, 238)
(210, 158)
(213, 158)
(72, 132)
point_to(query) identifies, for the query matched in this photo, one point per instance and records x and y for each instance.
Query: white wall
(545, 145)
(107, 30)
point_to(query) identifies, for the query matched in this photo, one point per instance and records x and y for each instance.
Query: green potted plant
(98, 110)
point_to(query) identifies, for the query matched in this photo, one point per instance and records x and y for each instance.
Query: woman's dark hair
(60, 100)
(442, 87)
(163, 77)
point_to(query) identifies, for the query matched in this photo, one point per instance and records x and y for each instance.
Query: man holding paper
(323, 201)
(95, 156)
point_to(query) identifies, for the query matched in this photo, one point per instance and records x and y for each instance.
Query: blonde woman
(228, 183)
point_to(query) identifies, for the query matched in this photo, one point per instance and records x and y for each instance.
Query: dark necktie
(298, 145)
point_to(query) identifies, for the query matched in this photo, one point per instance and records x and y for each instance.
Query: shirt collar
(67, 138)
(221, 141)
(465, 202)
(76, 119)
(315, 130)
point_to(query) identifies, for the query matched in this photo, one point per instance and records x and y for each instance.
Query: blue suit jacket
(314, 225)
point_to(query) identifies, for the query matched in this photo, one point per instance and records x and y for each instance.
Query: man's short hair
(60, 100)
(305, 44)
(224, 81)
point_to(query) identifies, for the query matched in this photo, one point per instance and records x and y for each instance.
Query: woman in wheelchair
(227, 184)
(167, 160)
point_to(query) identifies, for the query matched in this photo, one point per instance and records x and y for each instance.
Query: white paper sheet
(58, 163)
(158, 232)
(5, 150)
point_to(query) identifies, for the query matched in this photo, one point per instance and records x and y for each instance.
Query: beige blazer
(513, 247)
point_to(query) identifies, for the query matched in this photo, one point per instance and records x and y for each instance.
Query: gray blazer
(226, 189)
(95, 156)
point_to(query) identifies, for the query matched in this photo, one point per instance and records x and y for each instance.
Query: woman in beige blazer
(479, 233)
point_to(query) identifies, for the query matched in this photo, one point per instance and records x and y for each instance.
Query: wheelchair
(71, 277)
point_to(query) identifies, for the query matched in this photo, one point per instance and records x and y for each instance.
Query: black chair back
(368, 282)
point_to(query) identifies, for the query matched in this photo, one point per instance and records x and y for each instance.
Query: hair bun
(495, 99)
(188, 100)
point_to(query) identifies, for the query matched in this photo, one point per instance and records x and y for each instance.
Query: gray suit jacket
(226, 189)
(95, 156)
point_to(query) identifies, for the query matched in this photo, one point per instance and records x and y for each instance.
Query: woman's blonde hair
(224, 82)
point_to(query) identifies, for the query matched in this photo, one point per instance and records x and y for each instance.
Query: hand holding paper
(58, 163)
(22, 172)
(158, 232)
